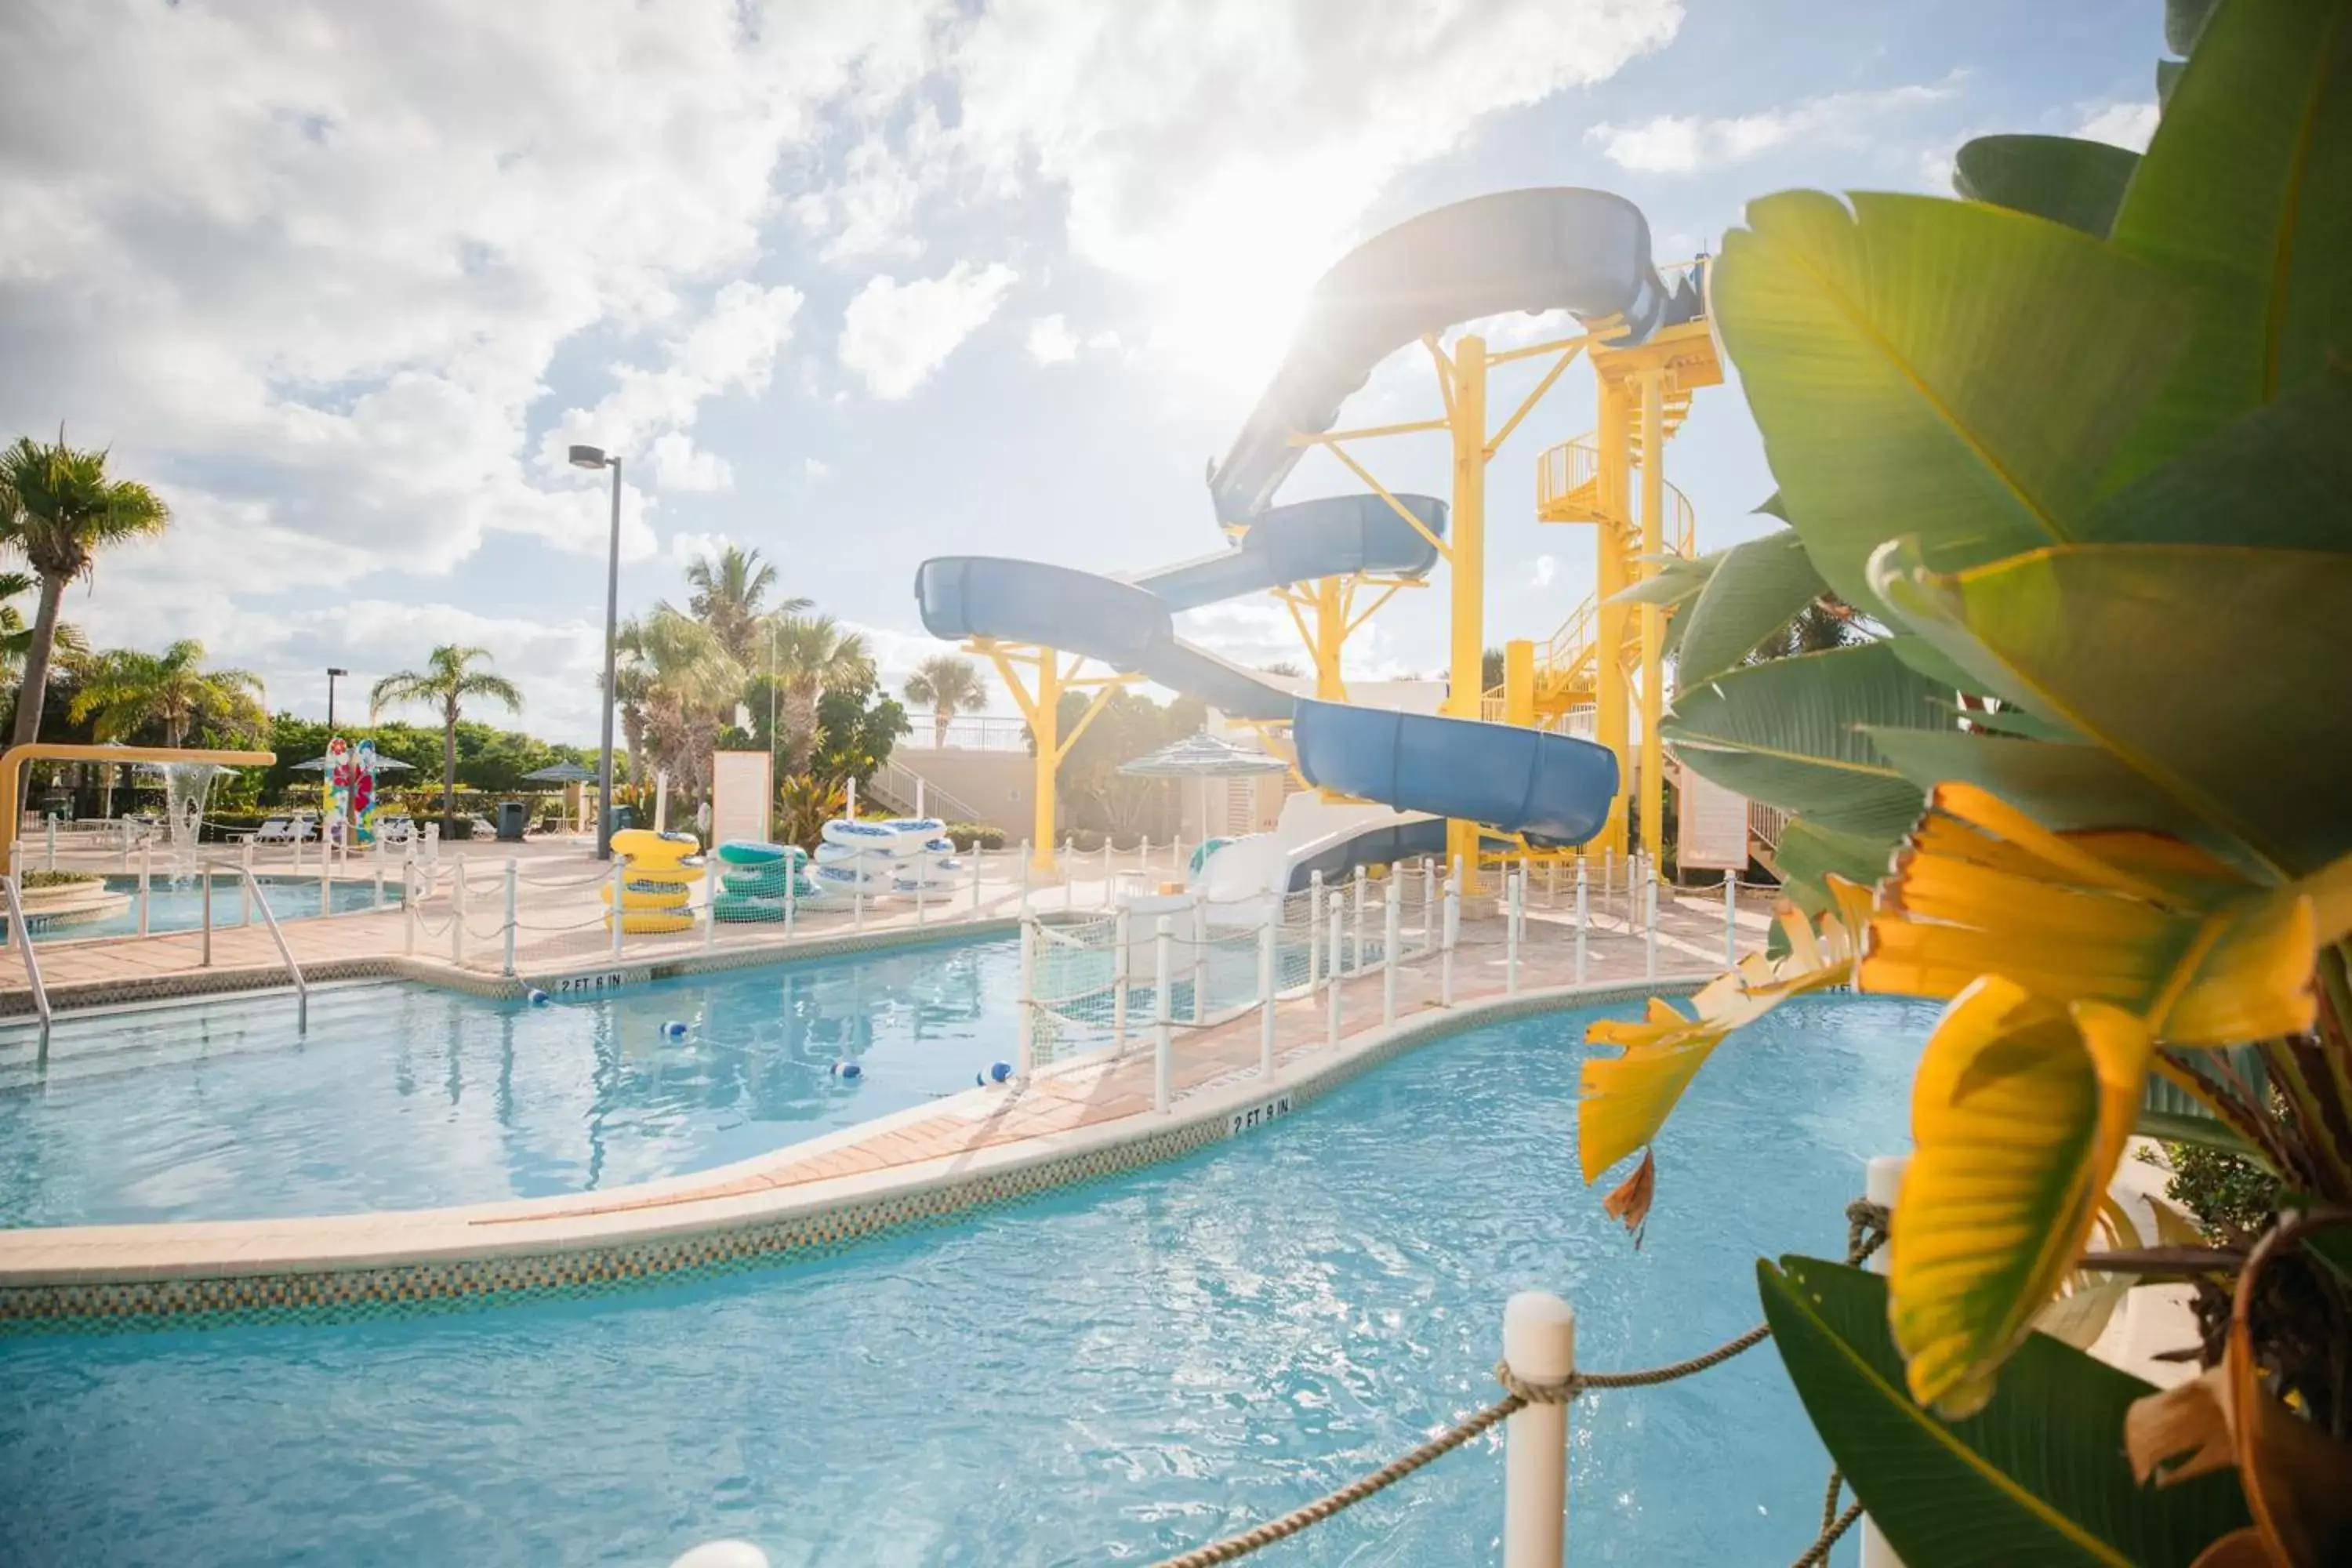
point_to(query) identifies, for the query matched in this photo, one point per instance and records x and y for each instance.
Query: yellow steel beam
(1443, 553)
(1652, 622)
(1465, 692)
(1558, 345)
(1368, 432)
(1444, 368)
(1526, 406)
(1387, 592)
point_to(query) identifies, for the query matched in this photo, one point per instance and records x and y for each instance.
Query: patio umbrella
(1204, 756)
(561, 772)
(384, 764)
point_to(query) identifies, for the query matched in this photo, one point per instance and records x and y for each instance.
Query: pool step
(98, 1041)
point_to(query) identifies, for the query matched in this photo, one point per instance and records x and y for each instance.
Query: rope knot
(1528, 1393)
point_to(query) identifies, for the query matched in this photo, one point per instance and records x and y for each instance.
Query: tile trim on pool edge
(902, 1198)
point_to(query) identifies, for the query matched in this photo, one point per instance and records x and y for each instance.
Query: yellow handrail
(12, 773)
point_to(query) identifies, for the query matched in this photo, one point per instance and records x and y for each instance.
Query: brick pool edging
(123, 1278)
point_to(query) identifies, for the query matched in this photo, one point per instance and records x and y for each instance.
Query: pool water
(1112, 1373)
(180, 906)
(407, 1096)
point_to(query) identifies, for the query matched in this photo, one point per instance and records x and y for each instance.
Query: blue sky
(852, 283)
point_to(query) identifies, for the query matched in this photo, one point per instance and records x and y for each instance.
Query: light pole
(328, 778)
(594, 458)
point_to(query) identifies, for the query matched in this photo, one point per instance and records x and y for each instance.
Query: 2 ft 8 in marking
(1259, 1115)
(571, 984)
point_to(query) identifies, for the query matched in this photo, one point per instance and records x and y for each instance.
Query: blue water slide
(1551, 788)
(1558, 249)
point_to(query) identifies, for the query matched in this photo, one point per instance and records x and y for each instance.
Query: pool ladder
(253, 890)
(20, 930)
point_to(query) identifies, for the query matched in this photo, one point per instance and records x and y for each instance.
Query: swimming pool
(407, 1096)
(1112, 1373)
(180, 906)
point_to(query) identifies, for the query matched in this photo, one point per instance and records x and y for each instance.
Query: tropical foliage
(59, 510)
(451, 677)
(2082, 444)
(947, 684)
(128, 695)
(1097, 797)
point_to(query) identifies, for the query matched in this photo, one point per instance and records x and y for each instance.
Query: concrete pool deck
(1070, 1122)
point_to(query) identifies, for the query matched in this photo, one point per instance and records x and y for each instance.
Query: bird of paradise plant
(2081, 444)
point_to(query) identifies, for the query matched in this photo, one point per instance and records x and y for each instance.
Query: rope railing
(1866, 1233)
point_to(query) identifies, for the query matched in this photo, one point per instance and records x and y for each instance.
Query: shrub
(2231, 1196)
(968, 835)
(60, 879)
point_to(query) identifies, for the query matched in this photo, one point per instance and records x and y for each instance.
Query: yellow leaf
(2140, 922)
(2019, 1114)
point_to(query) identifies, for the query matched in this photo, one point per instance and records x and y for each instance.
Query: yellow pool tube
(658, 891)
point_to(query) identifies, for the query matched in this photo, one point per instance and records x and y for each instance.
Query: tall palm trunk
(799, 727)
(33, 690)
(942, 717)
(449, 770)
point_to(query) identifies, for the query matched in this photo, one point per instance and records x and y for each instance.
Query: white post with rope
(1200, 958)
(1315, 977)
(1356, 921)
(1551, 883)
(245, 885)
(1338, 936)
(457, 914)
(1265, 995)
(1881, 1182)
(514, 875)
(51, 824)
(1025, 878)
(1111, 878)
(975, 878)
(1650, 922)
(326, 876)
(858, 891)
(1395, 924)
(922, 885)
(298, 846)
(1122, 962)
(1069, 872)
(146, 873)
(1730, 920)
(615, 912)
(1515, 892)
(792, 893)
(1583, 911)
(1143, 861)
(1608, 879)
(711, 900)
(408, 902)
(379, 869)
(1025, 1055)
(1428, 901)
(1452, 939)
(1538, 1347)
(1163, 973)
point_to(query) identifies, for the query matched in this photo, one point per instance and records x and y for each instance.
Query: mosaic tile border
(471, 1284)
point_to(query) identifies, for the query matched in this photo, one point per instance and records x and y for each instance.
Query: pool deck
(1070, 1121)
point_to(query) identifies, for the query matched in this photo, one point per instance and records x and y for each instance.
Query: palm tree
(812, 654)
(127, 690)
(728, 590)
(15, 636)
(947, 685)
(1828, 622)
(447, 678)
(676, 684)
(59, 509)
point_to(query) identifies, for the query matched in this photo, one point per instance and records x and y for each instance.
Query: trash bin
(512, 815)
(622, 818)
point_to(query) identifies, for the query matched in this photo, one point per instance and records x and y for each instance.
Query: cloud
(1683, 144)
(1545, 570)
(2125, 125)
(816, 469)
(1050, 341)
(895, 335)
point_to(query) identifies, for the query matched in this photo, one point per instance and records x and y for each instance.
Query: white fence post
(922, 886)
(51, 824)
(514, 874)
(1200, 959)
(1452, 939)
(1025, 878)
(245, 885)
(1111, 878)
(617, 915)
(710, 898)
(1356, 921)
(379, 870)
(326, 873)
(1338, 936)
(791, 892)
(1394, 925)
(1164, 976)
(1649, 921)
(456, 913)
(1266, 988)
(1025, 1056)
(975, 878)
(1730, 920)
(857, 892)
(298, 846)
(1551, 883)
(1314, 978)
(1069, 872)
(1583, 908)
(1428, 901)
(1882, 1181)
(146, 873)
(1143, 861)
(408, 902)
(1122, 963)
(1539, 1346)
(1515, 893)
(1609, 879)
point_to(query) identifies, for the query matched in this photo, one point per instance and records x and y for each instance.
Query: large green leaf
(2280, 475)
(2038, 1476)
(1960, 371)
(1752, 593)
(2062, 178)
(1809, 852)
(2216, 674)
(1788, 733)
(2243, 194)
(2183, 21)
(2169, 1111)
(2060, 785)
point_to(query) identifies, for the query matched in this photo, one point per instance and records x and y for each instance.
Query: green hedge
(966, 835)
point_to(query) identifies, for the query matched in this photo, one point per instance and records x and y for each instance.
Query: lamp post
(332, 675)
(594, 458)
(328, 778)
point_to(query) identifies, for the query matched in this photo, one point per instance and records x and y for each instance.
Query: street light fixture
(594, 458)
(332, 675)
